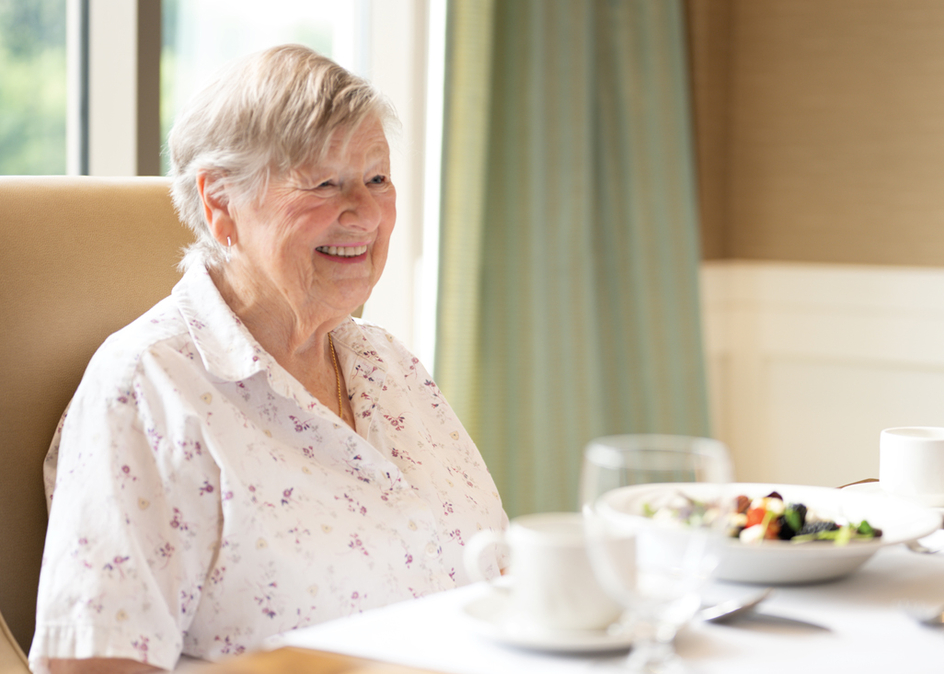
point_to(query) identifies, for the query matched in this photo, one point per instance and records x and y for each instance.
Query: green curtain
(569, 248)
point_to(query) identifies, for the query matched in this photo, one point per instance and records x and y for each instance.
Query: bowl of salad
(776, 533)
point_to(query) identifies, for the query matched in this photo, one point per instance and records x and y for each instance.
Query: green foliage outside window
(32, 87)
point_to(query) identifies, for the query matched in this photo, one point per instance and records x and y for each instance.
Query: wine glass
(655, 509)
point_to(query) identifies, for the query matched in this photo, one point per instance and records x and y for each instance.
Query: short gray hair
(264, 116)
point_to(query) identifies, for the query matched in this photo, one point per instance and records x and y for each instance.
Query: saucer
(491, 616)
(876, 488)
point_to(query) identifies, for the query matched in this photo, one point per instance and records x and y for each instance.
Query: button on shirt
(204, 500)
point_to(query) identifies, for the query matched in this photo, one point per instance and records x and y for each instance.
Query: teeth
(343, 251)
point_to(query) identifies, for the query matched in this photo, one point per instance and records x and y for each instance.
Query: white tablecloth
(867, 630)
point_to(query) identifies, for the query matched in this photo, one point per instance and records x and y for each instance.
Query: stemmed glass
(655, 510)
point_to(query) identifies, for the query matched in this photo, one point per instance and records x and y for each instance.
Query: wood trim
(291, 659)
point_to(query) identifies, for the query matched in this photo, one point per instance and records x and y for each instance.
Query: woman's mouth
(342, 251)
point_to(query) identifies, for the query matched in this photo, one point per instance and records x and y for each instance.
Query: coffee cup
(911, 463)
(551, 585)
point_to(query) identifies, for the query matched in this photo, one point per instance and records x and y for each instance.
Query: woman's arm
(99, 666)
(113, 544)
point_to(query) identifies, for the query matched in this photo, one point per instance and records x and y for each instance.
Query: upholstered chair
(80, 257)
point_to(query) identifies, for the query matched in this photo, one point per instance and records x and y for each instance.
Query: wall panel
(809, 362)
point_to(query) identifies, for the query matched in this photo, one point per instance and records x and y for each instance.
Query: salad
(772, 518)
(767, 518)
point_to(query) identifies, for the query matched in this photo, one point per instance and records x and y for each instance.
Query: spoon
(726, 610)
(915, 546)
(936, 618)
(925, 615)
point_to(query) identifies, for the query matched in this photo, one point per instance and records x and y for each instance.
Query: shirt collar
(356, 340)
(226, 347)
(229, 351)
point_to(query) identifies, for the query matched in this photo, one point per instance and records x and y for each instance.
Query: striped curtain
(569, 245)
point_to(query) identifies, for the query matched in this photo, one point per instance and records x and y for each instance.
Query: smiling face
(317, 238)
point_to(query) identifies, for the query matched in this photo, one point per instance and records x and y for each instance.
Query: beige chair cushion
(12, 657)
(80, 258)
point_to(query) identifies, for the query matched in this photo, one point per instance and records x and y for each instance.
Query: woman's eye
(378, 180)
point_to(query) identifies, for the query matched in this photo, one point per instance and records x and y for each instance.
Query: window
(201, 37)
(32, 86)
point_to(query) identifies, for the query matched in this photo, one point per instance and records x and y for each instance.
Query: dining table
(863, 623)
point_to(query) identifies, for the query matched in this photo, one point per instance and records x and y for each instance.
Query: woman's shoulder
(122, 353)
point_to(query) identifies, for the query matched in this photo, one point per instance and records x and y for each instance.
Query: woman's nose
(361, 210)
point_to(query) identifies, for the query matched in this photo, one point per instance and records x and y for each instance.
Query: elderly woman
(245, 458)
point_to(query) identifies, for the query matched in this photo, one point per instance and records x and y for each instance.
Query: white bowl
(783, 562)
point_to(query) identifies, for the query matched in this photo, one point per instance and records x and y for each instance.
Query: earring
(229, 243)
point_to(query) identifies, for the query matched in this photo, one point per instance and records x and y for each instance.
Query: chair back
(80, 258)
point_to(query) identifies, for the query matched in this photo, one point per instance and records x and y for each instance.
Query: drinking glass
(656, 508)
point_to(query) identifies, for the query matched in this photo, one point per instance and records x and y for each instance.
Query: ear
(216, 208)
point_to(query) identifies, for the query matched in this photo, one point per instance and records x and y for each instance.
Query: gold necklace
(337, 374)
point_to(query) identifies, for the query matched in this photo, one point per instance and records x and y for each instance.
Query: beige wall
(820, 127)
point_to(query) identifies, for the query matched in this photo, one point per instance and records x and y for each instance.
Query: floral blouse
(204, 500)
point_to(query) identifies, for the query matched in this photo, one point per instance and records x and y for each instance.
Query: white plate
(491, 616)
(782, 562)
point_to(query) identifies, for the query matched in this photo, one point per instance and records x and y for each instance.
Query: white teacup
(911, 463)
(552, 584)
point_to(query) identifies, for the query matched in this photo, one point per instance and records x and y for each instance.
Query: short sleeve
(134, 522)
